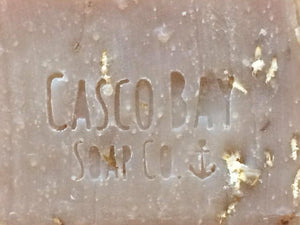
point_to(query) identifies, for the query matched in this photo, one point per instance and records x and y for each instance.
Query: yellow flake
(104, 63)
(257, 54)
(234, 83)
(239, 172)
(57, 221)
(294, 148)
(295, 188)
(229, 211)
(239, 87)
(271, 72)
(107, 88)
(231, 208)
(222, 217)
(269, 159)
(258, 64)
(297, 33)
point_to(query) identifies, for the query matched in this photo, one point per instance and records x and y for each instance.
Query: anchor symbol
(204, 170)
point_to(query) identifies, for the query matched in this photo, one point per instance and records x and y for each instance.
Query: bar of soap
(149, 112)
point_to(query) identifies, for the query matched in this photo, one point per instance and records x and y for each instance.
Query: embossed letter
(76, 153)
(101, 101)
(179, 109)
(226, 88)
(94, 162)
(144, 84)
(117, 105)
(165, 161)
(145, 161)
(81, 107)
(126, 157)
(111, 162)
(203, 101)
(49, 103)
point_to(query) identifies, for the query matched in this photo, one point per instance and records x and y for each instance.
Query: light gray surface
(146, 39)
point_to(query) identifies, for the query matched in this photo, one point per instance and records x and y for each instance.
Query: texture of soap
(149, 112)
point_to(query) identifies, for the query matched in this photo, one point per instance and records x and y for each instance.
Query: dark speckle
(265, 126)
(286, 219)
(76, 46)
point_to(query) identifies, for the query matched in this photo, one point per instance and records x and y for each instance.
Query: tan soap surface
(149, 112)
